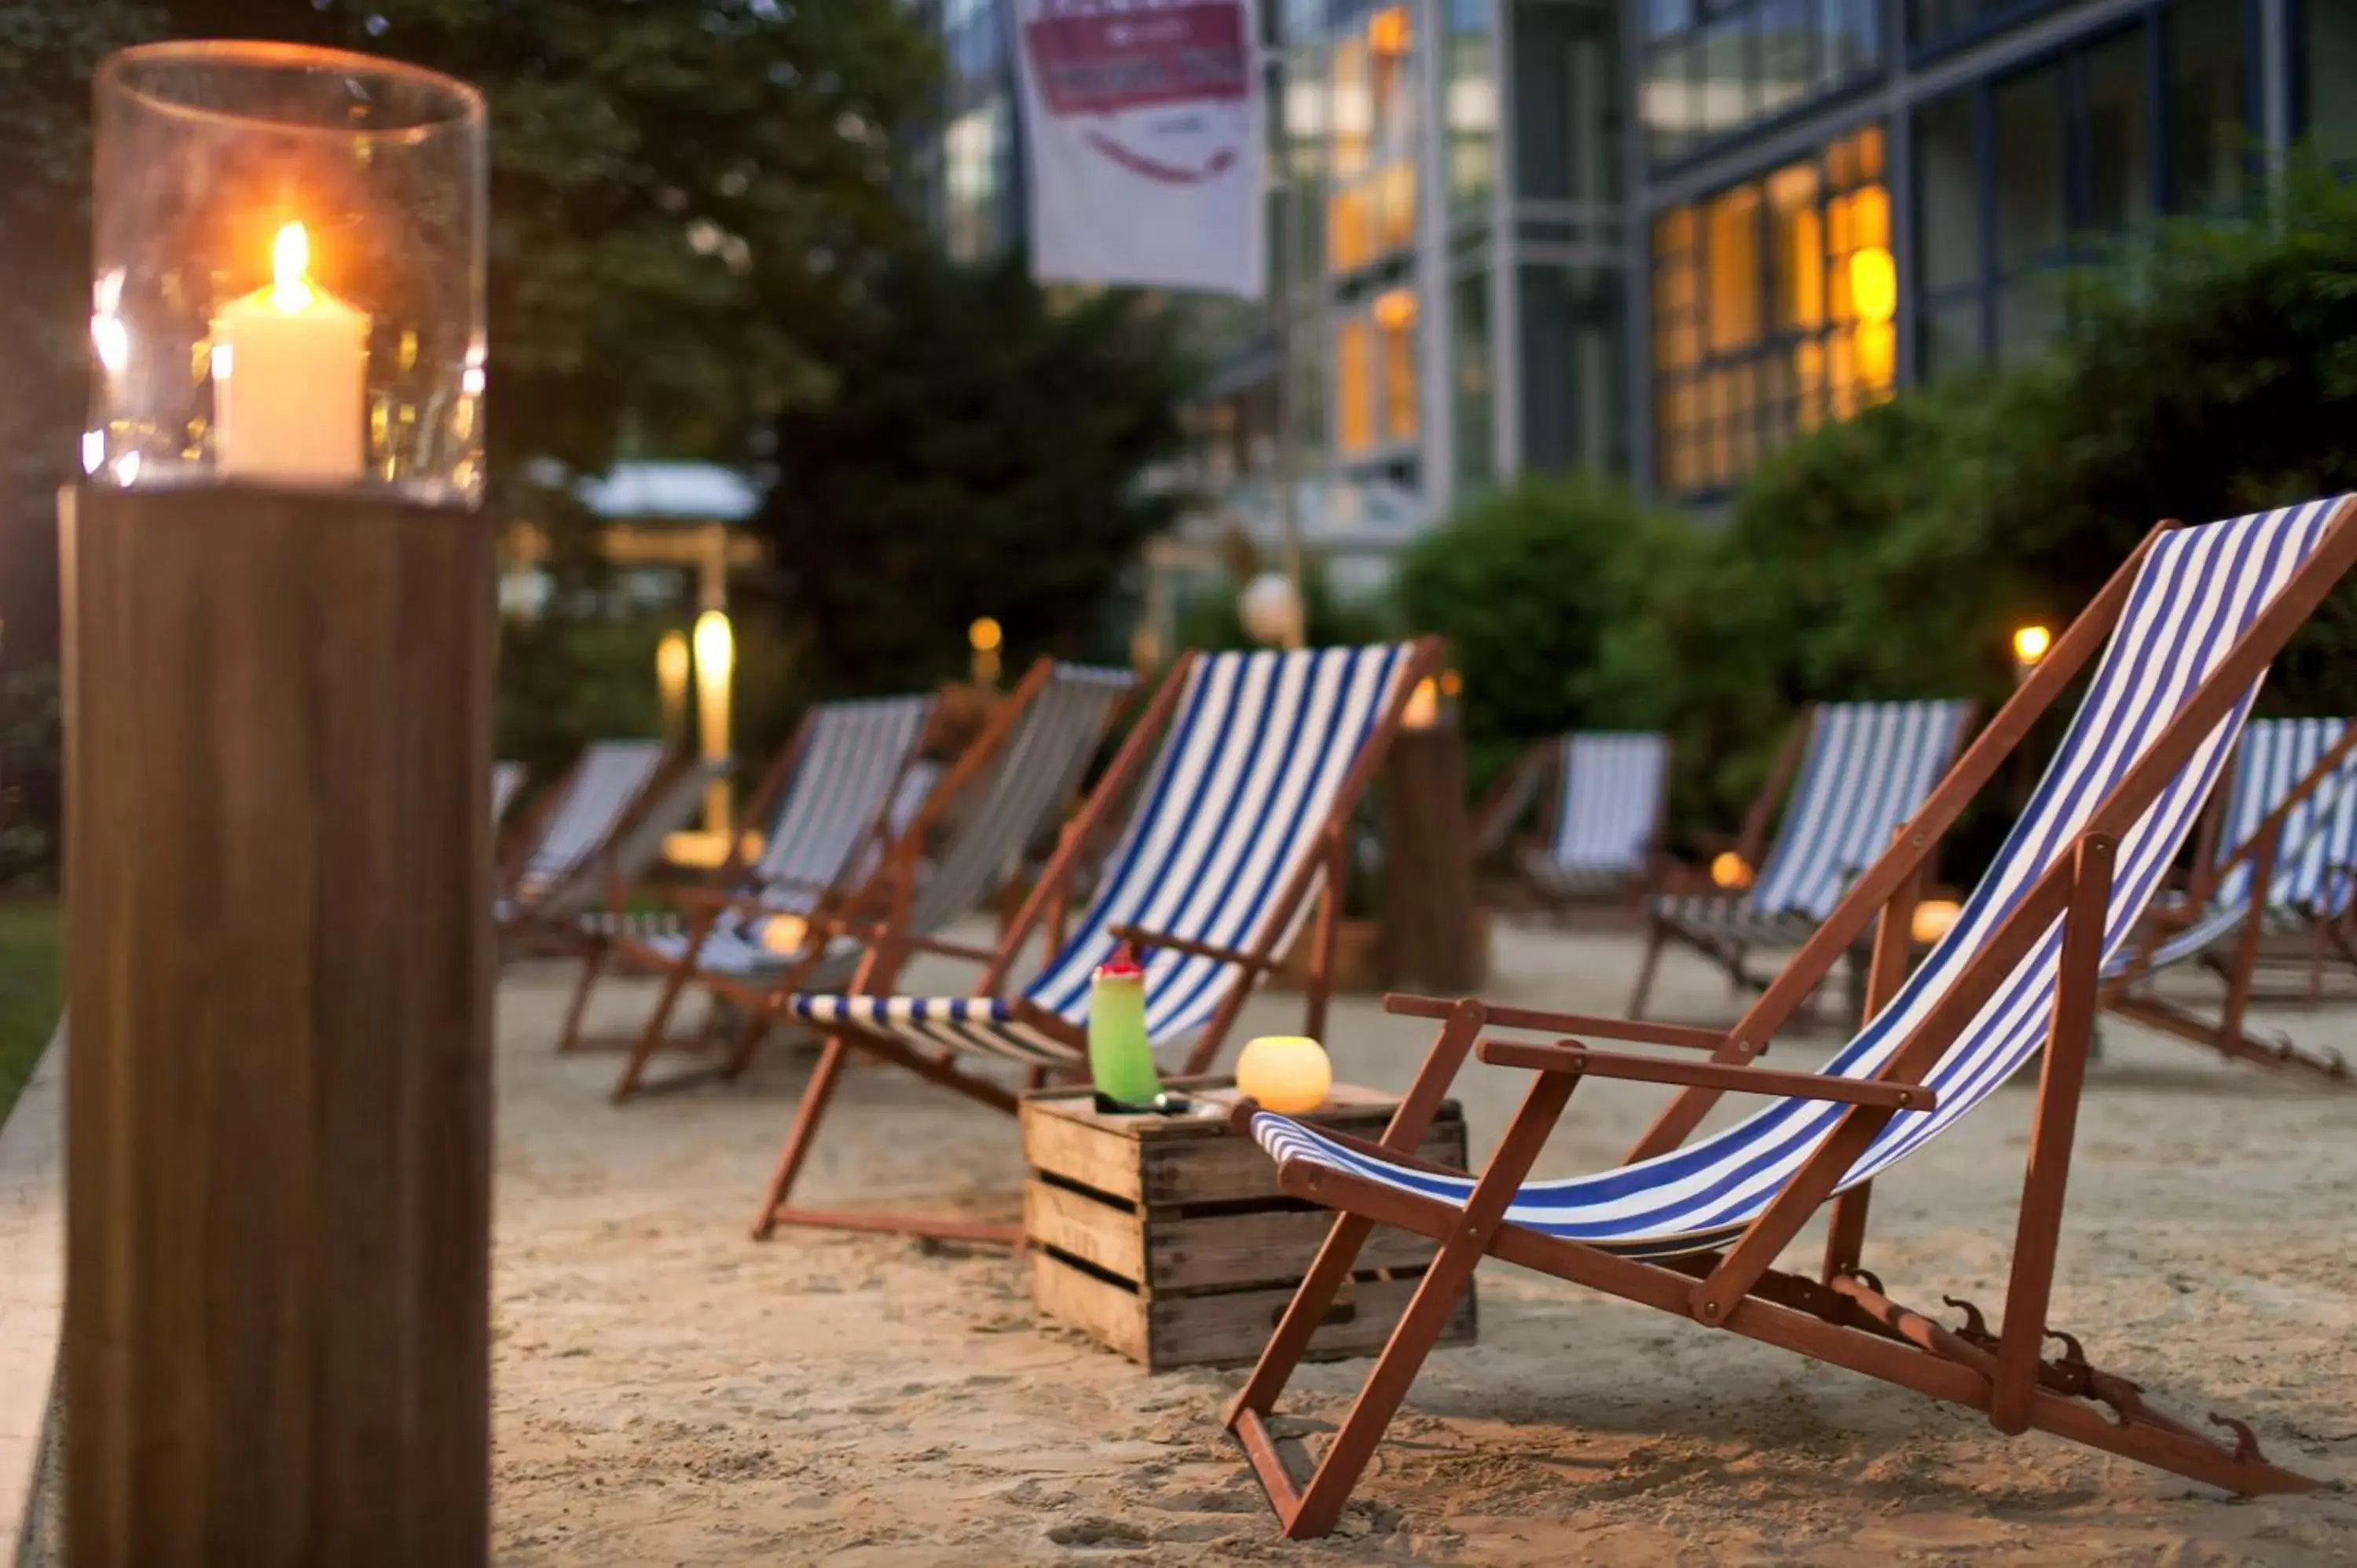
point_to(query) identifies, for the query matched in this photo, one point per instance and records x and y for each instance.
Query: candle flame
(290, 259)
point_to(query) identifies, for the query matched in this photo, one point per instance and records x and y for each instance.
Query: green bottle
(1120, 1059)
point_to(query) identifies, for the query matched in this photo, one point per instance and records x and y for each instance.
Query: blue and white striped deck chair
(1605, 817)
(1866, 768)
(834, 787)
(1246, 805)
(2291, 801)
(1012, 786)
(2192, 619)
(561, 867)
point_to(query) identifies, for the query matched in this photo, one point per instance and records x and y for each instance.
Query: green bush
(1540, 590)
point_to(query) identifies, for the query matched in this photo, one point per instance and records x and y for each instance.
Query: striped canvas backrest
(1866, 766)
(2320, 834)
(609, 777)
(1610, 801)
(852, 765)
(1257, 753)
(2197, 591)
(1035, 772)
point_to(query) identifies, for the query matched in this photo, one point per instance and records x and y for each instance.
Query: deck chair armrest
(1570, 1056)
(1635, 1031)
(1146, 940)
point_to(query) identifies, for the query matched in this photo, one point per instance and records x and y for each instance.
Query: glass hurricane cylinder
(288, 271)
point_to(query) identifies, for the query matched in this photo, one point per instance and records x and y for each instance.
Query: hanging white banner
(1143, 140)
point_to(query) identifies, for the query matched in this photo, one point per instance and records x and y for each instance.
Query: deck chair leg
(807, 1116)
(1656, 933)
(1321, 1502)
(649, 1043)
(748, 1040)
(592, 963)
(2060, 1074)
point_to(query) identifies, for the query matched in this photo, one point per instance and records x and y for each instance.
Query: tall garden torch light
(278, 598)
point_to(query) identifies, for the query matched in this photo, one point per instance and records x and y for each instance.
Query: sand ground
(668, 1391)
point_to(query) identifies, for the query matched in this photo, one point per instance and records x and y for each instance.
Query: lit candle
(1288, 1074)
(290, 364)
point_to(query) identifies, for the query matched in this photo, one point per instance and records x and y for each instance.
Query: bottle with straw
(1120, 1059)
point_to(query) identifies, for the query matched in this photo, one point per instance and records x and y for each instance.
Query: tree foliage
(1529, 584)
(683, 194)
(980, 459)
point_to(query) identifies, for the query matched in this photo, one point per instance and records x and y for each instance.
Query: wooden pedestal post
(1428, 937)
(278, 1179)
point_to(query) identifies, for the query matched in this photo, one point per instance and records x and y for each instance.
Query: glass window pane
(1852, 40)
(1947, 192)
(1567, 104)
(1951, 336)
(1472, 108)
(1725, 88)
(1732, 258)
(1667, 16)
(1354, 411)
(1470, 324)
(1787, 45)
(2119, 142)
(1672, 121)
(1797, 251)
(1396, 315)
(2206, 122)
(2030, 212)
(2326, 59)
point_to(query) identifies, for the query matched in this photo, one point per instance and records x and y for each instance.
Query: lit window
(1395, 314)
(1354, 411)
(1775, 307)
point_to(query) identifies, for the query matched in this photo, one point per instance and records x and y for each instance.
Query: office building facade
(1661, 238)
(1838, 198)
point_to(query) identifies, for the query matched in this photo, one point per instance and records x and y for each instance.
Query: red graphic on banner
(1111, 64)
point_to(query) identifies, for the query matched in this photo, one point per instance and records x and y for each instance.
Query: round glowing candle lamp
(1729, 870)
(1288, 1074)
(1931, 919)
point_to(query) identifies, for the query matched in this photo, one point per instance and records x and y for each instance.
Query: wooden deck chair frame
(888, 952)
(2226, 1034)
(1843, 1315)
(1750, 846)
(722, 889)
(526, 932)
(1547, 756)
(880, 900)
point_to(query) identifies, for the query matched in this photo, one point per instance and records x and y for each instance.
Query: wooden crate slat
(1228, 1250)
(1086, 1227)
(1108, 1312)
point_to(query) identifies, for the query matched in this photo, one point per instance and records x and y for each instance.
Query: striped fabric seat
(1035, 772)
(506, 778)
(2197, 590)
(610, 779)
(1867, 768)
(2313, 877)
(1607, 804)
(1258, 750)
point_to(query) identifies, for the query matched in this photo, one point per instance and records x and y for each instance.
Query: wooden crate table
(1165, 1237)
